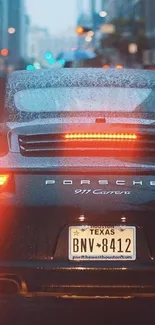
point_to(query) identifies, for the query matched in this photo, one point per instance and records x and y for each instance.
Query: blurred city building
(124, 8)
(67, 41)
(3, 29)
(133, 22)
(21, 42)
(38, 44)
(14, 30)
(17, 39)
(85, 20)
(42, 45)
(111, 7)
(146, 10)
(135, 9)
(3, 23)
(26, 35)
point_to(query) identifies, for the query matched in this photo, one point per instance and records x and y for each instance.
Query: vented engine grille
(61, 145)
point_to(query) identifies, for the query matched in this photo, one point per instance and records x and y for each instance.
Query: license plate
(102, 243)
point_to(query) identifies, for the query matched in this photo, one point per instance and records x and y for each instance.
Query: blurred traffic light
(80, 30)
(4, 52)
(52, 61)
(30, 67)
(62, 62)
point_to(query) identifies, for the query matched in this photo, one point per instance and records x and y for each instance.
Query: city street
(77, 162)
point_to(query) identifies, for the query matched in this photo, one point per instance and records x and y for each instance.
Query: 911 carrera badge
(100, 192)
(93, 191)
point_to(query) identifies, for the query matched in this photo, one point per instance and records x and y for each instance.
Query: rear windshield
(85, 99)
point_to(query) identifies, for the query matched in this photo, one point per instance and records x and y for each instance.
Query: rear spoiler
(83, 77)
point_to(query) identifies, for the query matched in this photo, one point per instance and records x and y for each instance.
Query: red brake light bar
(101, 136)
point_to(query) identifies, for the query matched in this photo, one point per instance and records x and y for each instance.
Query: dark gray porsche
(77, 184)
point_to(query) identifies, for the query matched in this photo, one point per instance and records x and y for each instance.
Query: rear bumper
(34, 254)
(44, 310)
(80, 282)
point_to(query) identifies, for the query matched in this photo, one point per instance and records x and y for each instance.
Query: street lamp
(80, 30)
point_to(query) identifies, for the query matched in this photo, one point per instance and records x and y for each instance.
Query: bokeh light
(30, 67)
(11, 30)
(88, 39)
(48, 55)
(103, 14)
(52, 61)
(62, 62)
(37, 65)
(4, 52)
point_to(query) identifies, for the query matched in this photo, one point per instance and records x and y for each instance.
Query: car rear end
(77, 192)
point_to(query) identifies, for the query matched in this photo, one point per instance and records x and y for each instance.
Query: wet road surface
(44, 312)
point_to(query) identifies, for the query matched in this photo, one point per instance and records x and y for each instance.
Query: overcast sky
(56, 15)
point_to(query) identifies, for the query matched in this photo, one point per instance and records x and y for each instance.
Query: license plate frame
(103, 257)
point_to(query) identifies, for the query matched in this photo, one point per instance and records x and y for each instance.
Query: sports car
(77, 184)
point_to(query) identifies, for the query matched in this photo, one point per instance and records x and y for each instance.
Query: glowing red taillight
(101, 136)
(4, 179)
(3, 144)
